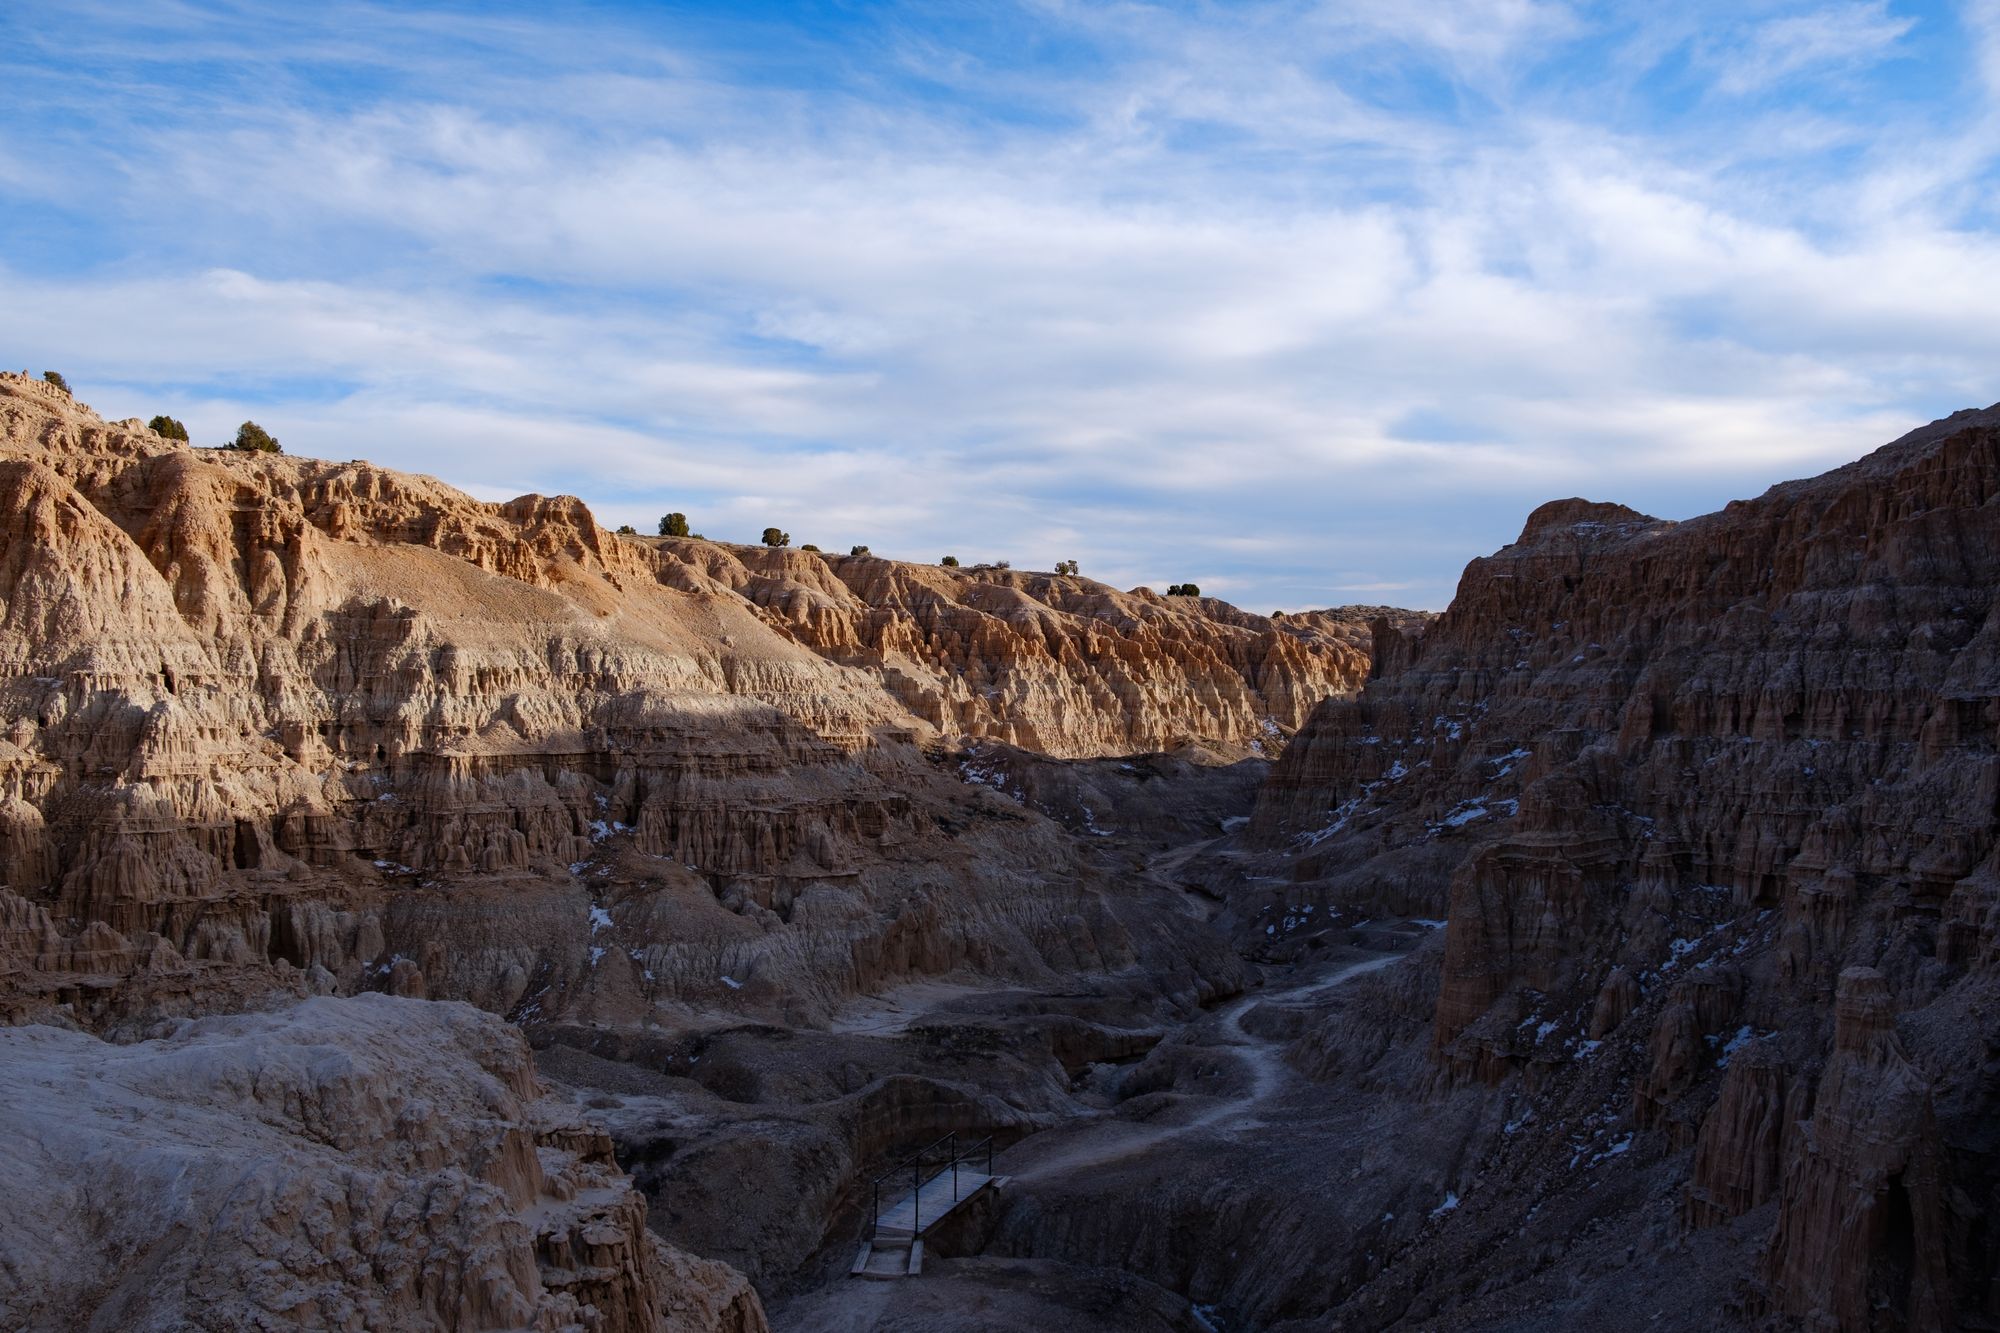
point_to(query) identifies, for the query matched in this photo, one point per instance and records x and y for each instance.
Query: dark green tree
(674, 525)
(167, 428)
(949, 562)
(627, 530)
(252, 438)
(774, 537)
(56, 379)
(1065, 566)
(857, 550)
(1183, 590)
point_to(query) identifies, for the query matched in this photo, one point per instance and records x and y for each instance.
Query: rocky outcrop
(358, 1163)
(1686, 792)
(1057, 664)
(279, 730)
(281, 724)
(1861, 1237)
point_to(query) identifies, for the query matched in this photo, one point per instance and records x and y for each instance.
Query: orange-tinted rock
(271, 709)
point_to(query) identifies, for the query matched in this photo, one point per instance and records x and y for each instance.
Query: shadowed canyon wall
(1710, 808)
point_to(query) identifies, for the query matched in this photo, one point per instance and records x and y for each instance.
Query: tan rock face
(1061, 665)
(278, 722)
(281, 731)
(1671, 784)
(361, 1163)
(278, 730)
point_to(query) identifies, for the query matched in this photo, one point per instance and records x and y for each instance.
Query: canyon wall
(1710, 809)
(1692, 827)
(283, 735)
(324, 727)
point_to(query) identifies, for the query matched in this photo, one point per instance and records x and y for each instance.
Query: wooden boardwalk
(920, 1211)
(897, 1247)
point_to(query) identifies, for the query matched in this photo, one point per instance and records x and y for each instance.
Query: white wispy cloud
(1250, 296)
(1839, 36)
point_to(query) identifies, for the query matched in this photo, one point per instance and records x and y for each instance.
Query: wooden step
(888, 1259)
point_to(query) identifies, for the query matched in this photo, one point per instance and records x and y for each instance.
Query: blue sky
(1307, 303)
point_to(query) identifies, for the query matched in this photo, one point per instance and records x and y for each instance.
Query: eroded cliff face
(1710, 808)
(279, 722)
(358, 1163)
(278, 731)
(1061, 665)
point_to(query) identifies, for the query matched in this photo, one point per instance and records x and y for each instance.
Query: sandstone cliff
(324, 727)
(278, 729)
(1710, 808)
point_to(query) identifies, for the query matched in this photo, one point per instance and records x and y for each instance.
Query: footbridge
(916, 1195)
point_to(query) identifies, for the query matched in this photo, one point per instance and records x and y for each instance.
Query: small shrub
(1003, 564)
(627, 530)
(773, 537)
(252, 438)
(810, 547)
(167, 428)
(857, 550)
(55, 380)
(1065, 566)
(949, 562)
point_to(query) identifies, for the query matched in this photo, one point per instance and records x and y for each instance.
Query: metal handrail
(915, 1163)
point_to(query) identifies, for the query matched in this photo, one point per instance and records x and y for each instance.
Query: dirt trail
(894, 1010)
(1161, 868)
(1162, 865)
(845, 1306)
(1073, 1147)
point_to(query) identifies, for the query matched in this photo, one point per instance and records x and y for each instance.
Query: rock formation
(365, 1163)
(1711, 810)
(278, 722)
(1624, 952)
(280, 728)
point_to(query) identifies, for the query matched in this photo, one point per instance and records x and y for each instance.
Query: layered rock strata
(1710, 808)
(279, 729)
(280, 723)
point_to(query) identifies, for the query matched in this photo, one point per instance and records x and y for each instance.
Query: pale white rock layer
(364, 1163)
